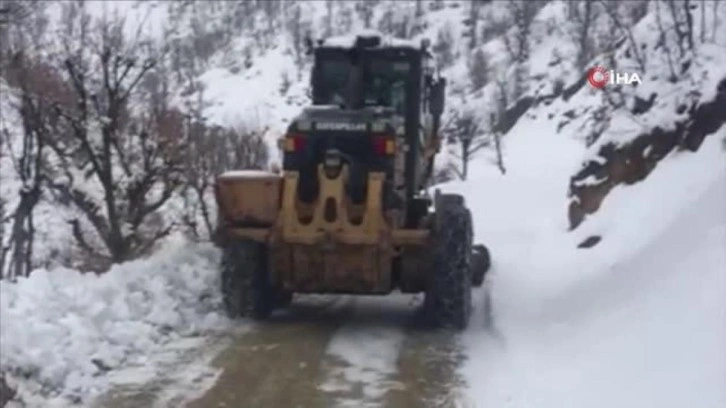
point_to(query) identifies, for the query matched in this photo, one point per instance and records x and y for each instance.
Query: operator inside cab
(384, 83)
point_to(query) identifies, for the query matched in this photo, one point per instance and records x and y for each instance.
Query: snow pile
(637, 320)
(64, 330)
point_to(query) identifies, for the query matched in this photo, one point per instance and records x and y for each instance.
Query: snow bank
(62, 330)
(638, 320)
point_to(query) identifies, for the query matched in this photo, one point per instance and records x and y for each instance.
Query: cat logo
(341, 126)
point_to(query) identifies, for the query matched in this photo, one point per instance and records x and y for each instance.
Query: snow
(63, 329)
(348, 41)
(590, 180)
(365, 356)
(638, 320)
(247, 174)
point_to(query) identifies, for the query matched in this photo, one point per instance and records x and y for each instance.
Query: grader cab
(349, 212)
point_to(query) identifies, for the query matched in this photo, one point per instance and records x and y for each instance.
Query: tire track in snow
(385, 356)
(357, 351)
(184, 373)
(278, 364)
(360, 361)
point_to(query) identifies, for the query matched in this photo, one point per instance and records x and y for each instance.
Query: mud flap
(480, 264)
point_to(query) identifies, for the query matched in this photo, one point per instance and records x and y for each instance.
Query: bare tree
(212, 151)
(664, 43)
(522, 13)
(493, 27)
(121, 141)
(682, 24)
(36, 84)
(473, 23)
(465, 130)
(28, 168)
(444, 47)
(419, 23)
(612, 8)
(11, 13)
(584, 15)
(387, 24)
(715, 23)
(501, 96)
(497, 138)
(344, 19)
(298, 29)
(329, 19)
(702, 6)
(365, 11)
(499, 161)
(479, 70)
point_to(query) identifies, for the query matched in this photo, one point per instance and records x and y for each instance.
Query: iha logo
(598, 77)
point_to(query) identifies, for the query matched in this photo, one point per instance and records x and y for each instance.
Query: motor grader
(349, 212)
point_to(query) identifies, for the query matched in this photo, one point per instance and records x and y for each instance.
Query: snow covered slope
(638, 320)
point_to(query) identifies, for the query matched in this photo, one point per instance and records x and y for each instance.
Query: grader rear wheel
(448, 293)
(246, 290)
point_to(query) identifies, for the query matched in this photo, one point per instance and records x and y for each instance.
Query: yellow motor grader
(349, 213)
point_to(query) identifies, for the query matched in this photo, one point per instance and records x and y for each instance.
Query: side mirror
(438, 96)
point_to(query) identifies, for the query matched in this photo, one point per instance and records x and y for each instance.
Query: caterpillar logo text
(348, 127)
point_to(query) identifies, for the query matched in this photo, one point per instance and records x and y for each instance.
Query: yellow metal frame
(321, 256)
(372, 230)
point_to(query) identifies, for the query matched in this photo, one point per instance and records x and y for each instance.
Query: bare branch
(611, 8)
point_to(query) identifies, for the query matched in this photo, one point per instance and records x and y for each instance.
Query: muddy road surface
(324, 351)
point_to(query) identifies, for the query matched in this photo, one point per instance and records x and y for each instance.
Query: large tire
(246, 290)
(448, 293)
(480, 263)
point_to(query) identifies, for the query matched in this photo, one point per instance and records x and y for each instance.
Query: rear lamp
(384, 145)
(294, 142)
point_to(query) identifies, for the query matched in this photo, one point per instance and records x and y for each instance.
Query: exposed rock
(633, 162)
(6, 393)
(641, 106)
(590, 241)
(572, 89)
(705, 120)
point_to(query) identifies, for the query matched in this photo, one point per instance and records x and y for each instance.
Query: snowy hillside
(243, 66)
(603, 208)
(638, 320)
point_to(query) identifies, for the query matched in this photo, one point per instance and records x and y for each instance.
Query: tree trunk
(22, 234)
(500, 158)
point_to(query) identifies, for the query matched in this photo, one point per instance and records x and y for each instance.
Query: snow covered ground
(639, 320)
(66, 330)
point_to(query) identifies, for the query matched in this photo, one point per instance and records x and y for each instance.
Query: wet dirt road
(344, 351)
